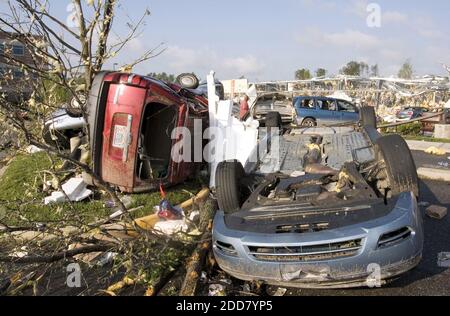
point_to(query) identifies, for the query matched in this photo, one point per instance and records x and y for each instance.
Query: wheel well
(309, 117)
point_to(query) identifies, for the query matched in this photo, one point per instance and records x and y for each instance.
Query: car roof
(319, 98)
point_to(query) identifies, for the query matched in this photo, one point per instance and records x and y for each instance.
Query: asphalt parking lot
(428, 278)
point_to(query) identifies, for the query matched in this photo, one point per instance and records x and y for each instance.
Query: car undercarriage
(331, 204)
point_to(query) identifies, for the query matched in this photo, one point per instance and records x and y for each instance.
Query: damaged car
(131, 121)
(333, 207)
(274, 102)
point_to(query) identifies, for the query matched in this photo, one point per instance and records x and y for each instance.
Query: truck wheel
(188, 81)
(368, 117)
(401, 171)
(309, 122)
(228, 190)
(273, 119)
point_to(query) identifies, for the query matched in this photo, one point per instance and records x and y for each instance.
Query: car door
(305, 107)
(327, 113)
(347, 112)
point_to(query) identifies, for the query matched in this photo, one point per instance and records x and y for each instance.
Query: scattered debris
(75, 190)
(196, 200)
(126, 281)
(436, 212)
(217, 290)
(194, 216)
(444, 260)
(281, 291)
(435, 151)
(19, 253)
(424, 204)
(32, 149)
(171, 227)
(168, 212)
(84, 257)
(106, 258)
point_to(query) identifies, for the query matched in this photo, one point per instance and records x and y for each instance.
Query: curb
(434, 174)
(422, 145)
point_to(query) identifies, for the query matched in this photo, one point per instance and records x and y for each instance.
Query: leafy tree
(303, 74)
(354, 68)
(163, 76)
(374, 71)
(406, 71)
(321, 72)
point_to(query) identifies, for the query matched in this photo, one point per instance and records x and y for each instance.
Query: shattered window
(327, 105)
(307, 103)
(346, 107)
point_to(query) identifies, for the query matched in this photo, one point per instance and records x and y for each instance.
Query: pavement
(422, 145)
(431, 167)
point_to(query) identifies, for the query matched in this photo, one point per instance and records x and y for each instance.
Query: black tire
(401, 171)
(188, 81)
(273, 119)
(74, 109)
(309, 122)
(228, 190)
(368, 117)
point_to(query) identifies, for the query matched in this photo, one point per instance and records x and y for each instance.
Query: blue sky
(269, 40)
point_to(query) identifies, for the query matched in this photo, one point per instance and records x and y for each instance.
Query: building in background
(15, 81)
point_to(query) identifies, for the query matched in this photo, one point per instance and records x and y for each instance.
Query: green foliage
(354, 68)
(374, 71)
(303, 74)
(406, 71)
(21, 195)
(410, 129)
(321, 72)
(163, 76)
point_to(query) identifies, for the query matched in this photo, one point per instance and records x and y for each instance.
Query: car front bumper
(369, 263)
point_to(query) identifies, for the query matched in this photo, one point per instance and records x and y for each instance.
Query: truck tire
(309, 122)
(228, 190)
(188, 81)
(368, 117)
(401, 171)
(273, 119)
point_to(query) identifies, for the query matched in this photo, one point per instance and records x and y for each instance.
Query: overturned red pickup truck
(131, 119)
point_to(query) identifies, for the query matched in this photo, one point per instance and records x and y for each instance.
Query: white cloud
(346, 39)
(353, 38)
(203, 60)
(391, 17)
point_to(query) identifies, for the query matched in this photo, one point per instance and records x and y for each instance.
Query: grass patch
(21, 196)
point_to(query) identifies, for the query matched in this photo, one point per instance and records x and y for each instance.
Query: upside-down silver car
(336, 207)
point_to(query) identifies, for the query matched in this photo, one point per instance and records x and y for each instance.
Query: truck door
(124, 109)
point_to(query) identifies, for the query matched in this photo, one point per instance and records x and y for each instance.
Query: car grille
(317, 252)
(225, 248)
(394, 237)
(302, 228)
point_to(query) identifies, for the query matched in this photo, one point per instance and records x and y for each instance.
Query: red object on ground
(244, 108)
